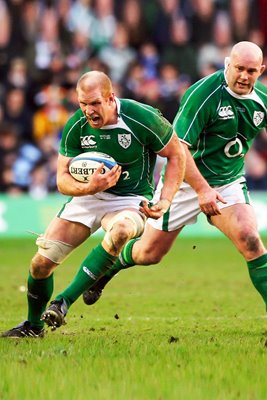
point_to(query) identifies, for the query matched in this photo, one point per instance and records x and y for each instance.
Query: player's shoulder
(75, 121)
(135, 110)
(261, 89)
(143, 118)
(209, 83)
(77, 116)
(206, 91)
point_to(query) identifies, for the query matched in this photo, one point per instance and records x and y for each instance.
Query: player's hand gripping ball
(84, 165)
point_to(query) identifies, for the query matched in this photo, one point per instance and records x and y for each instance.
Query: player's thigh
(73, 233)
(153, 245)
(238, 222)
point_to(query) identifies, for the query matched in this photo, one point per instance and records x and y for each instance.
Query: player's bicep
(172, 149)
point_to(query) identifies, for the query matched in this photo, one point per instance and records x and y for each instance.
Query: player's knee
(123, 227)
(41, 267)
(119, 234)
(250, 240)
(130, 220)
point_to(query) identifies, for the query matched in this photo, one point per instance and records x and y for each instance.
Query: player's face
(98, 110)
(242, 73)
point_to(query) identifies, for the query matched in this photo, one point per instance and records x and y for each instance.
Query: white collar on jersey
(118, 104)
(251, 96)
(120, 123)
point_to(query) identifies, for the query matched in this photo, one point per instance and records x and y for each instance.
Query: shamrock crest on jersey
(124, 140)
(258, 117)
(133, 141)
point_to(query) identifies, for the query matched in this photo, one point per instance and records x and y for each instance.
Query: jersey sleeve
(197, 110)
(70, 145)
(164, 132)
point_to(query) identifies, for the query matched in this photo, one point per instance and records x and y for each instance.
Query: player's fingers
(116, 171)
(113, 175)
(210, 209)
(144, 207)
(116, 168)
(163, 205)
(154, 211)
(154, 214)
(99, 169)
(216, 211)
(220, 198)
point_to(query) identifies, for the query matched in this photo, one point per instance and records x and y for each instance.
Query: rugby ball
(84, 165)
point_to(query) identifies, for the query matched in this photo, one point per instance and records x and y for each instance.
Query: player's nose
(244, 75)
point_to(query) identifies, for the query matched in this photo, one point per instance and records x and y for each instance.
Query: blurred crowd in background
(152, 50)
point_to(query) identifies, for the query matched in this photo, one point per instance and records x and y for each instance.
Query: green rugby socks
(39, 293)
(124, 261)
(93, 267)
(258, 274)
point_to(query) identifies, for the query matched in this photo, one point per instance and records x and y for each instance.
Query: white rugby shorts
(185, 209)
(90, 210)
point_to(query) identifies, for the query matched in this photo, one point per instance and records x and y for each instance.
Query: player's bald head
(248, 51)
(95, 79)
(244, 67)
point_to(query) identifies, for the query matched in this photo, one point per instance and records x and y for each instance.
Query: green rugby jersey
(141, 131)
(219, 126)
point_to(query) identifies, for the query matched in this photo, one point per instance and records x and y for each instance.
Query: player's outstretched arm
(175, 168)
(173, 177)
(207, 196)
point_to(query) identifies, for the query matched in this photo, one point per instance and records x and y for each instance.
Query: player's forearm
(70, 187)
(192, 175)
(174, 175)
(98, 182)
(66, 184)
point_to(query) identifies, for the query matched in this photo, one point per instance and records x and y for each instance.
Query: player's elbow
(60, 188)
(60, 185)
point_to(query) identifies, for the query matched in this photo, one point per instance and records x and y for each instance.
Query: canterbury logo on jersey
(88, 141)
(226, 112)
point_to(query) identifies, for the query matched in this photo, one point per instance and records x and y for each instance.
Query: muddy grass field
(192, 327)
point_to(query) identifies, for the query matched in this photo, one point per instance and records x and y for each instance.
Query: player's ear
(262, 69)
(226, 62)
(111, 98)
